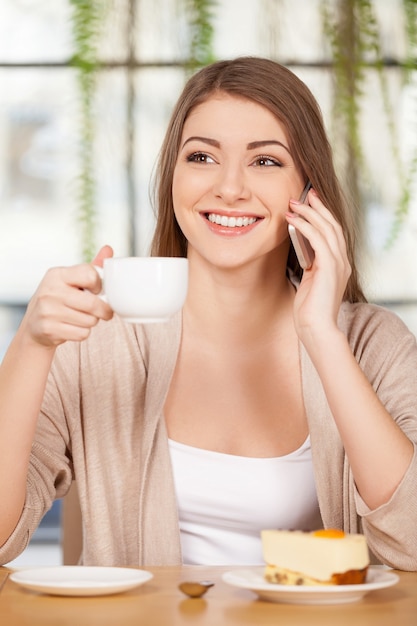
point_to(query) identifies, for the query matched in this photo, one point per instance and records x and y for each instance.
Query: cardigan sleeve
(50, 468)
(391, 529)
(387, 352)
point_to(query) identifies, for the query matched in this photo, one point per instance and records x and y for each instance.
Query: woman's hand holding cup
(70, 301)
(65, 307)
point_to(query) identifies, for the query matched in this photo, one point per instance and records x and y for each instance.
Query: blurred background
(86, 90)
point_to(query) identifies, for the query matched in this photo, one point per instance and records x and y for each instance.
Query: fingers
(76, 288)
(104, 253)
(65, 306)
(314, 213)
(54, 324)
(71, 290)
(323, 285)
(318, 224)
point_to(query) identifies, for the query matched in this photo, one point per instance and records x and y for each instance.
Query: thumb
(104, 253)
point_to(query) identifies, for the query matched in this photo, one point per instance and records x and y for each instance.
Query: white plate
(253, 579)
(74, 580)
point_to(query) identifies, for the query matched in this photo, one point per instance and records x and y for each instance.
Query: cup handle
(100, 272)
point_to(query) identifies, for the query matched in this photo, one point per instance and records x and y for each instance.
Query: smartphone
(302, 246)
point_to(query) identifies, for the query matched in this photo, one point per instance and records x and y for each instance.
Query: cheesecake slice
(323, 557)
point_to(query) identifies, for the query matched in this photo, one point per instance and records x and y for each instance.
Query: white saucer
(71, 580)
(253, 579)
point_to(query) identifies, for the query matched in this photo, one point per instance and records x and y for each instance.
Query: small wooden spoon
(195, 589)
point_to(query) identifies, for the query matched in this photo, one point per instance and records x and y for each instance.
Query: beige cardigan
(102, 421)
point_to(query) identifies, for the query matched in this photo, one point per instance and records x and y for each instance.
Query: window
(136, 89)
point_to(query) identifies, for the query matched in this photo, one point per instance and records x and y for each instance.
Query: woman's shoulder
(366, 320)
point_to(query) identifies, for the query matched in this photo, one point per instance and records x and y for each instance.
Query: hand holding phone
(302, 246)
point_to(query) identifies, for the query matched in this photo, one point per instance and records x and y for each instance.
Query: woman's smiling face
(233, 180)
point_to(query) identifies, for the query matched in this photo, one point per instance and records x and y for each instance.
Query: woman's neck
(240, 303)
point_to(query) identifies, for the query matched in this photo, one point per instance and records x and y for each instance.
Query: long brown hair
(279, 90)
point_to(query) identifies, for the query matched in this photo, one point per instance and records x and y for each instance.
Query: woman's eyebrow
(253, 145)
(266, 142)
(211, 142)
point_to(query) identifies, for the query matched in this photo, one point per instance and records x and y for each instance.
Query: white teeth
(230, 222)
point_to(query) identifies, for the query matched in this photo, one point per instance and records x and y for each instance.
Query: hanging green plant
(354, 35)
(410, 66)
(341, 26)
(87, 21)
(200, 16)
(410, 11)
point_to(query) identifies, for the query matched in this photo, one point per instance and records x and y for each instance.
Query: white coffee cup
(145, 290)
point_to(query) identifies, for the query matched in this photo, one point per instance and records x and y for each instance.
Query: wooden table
(160, 603)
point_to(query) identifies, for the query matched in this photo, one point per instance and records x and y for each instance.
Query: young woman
(277, 398)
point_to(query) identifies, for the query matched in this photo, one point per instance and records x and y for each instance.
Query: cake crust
(280, 576)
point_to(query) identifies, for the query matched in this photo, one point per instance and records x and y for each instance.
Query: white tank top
(224, 501)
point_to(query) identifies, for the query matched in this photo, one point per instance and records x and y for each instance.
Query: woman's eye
(266, 161)
(199, 157)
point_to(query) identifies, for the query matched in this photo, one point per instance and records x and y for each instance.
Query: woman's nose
(231, 184)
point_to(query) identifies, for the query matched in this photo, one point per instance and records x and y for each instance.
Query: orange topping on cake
(329, 533)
